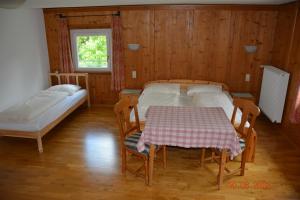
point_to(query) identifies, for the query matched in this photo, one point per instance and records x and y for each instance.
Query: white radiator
(273, 92)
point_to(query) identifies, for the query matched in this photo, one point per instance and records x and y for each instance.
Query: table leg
(151, 162)
(202, 157)
(221, 168)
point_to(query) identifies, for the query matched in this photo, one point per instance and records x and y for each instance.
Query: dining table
(189, 127)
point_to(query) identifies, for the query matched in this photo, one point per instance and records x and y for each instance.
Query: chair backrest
(249, 114)
(122, 110)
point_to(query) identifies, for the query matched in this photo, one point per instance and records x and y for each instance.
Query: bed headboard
(71, 78)
(66, 78)
(185, 83)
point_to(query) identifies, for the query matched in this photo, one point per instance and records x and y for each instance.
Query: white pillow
(195, 89)
(167, 88)
(68, 88)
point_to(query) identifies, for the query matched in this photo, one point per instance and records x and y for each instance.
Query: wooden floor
(81, 161)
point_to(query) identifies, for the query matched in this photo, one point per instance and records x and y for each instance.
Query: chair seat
(242, 144)
(131, 143)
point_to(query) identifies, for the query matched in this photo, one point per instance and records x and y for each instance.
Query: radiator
(273, 92)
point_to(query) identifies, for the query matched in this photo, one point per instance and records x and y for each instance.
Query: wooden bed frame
(38, 135)
(185, 83)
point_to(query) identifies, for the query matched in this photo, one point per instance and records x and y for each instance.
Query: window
(91, 49)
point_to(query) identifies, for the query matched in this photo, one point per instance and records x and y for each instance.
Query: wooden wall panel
(286, 52)
(210, 44)
(100, 89)
(294, 65)
(250, 28)
(244, 30)
(138, 28)
(51, 26)
(200, 44)
(284, 34)
(265, 42)
(99, 82)
(172, 41)
(185, 42)
(294, 68)
(89, 21)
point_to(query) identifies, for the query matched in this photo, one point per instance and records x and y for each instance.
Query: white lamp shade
(250, 48)
(133, 47)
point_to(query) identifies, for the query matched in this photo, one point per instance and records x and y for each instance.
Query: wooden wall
(286, 53)
(99, 82)
(190, 42)
(199, 43)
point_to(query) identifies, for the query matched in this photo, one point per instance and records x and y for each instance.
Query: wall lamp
(250, 48)
(133, 47)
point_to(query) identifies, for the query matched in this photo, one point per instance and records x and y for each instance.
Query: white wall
(24, 61)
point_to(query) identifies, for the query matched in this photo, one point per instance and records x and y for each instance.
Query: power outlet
(247, 77)
(133, 74)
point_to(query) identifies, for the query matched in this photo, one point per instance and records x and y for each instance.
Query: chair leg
(213, 155)
(165, 156)
(243, 163)
(123, 154)
(146, 161)
(202, 157)
(40, 144)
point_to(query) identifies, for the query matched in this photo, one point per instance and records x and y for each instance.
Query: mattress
(47, 117)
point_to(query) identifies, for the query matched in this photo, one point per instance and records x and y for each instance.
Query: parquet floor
(81, 161)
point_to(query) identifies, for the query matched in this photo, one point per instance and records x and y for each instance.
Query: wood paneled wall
(99, 82)
(199, 43)
(190, 42)
(138, 28)
(286, 53)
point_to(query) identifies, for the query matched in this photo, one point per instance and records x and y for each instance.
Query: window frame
(88, 32)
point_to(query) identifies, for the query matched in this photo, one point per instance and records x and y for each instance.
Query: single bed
(41, 124)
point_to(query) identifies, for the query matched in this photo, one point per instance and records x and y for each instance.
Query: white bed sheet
(223, 100)
(160, 99)
(32, 107)
(47, 117)
(155, 99)
(205, 99)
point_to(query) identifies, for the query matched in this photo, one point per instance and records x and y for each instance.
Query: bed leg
(40, 144)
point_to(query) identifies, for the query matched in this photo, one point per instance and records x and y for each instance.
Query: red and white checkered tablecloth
(189, 127)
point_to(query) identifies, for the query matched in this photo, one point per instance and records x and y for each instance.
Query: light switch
(247, 77)
(133, 74)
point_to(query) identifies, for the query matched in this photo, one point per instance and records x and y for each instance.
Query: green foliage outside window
(92, 51)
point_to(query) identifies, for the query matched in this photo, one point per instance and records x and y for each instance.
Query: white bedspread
(154, 99)
(203, 99)
(47, 117)
(33, 107)
(217, 100)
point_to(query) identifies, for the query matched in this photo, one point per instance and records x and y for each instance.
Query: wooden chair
(244, 130)
(130, 134)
